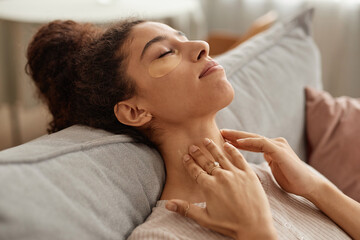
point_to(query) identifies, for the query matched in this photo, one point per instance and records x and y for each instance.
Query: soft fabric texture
(294, 218)
(333, 132)
(83, 183)
(269, 73)
(80, 183)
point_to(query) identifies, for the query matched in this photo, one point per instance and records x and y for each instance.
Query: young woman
(149, 81)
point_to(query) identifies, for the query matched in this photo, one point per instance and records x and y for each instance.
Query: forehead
(144, 32)
(151, 29)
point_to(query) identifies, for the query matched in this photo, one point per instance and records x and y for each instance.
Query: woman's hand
(294, 176)
(236, 203)
(290, 172)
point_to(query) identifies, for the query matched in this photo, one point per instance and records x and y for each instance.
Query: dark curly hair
(80, 72)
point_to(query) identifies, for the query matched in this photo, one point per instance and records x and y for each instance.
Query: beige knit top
(294, 218)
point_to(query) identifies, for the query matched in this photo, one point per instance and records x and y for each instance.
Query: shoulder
(147, 231)
(159, 225)
(163, 224)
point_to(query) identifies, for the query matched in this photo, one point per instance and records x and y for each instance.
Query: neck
(175, 143)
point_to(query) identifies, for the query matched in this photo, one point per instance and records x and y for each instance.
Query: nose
(198, 50)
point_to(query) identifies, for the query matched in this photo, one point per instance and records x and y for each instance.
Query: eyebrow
(155, 40)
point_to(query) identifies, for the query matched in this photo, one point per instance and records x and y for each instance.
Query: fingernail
(186, 157)
(171, 206)
(240, 140)
(206, 141)
(193, 148)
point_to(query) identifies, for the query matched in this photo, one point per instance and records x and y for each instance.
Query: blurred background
(336, 30)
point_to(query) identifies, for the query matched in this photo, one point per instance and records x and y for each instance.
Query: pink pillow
(333, 132)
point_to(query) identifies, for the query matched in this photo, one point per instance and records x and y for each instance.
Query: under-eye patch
(163, 66)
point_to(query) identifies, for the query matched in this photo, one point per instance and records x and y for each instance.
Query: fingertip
(224, 130)
(193, 148)
(171, 206)
(207, 141)
(228, 145)
(229, 148)
(186, 158)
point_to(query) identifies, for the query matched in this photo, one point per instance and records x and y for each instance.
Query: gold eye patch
(163, 66)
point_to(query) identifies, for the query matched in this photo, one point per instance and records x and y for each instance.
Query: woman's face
(184, 84)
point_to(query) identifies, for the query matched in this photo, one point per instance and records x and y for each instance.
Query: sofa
(86, 183)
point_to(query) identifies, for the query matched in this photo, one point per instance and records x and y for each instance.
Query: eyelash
(166, 53)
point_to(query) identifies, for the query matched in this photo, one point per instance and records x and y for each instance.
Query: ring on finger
(211, 170)
(216, 165)
(198, 174)
(187, 209)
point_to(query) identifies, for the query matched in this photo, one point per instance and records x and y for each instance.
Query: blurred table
(19, 20)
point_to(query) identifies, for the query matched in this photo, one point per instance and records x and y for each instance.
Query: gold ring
(216, 165)
(199, 173)
(187, 209)
(211, 170)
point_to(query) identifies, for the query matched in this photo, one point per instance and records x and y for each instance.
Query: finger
(186, 209)
(217, 154)
(233, 135)
(234, 143)
(201, 159)
(237, 158)
(261, 144)
(195, 171)
(281, 141)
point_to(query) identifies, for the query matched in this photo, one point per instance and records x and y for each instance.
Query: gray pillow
(269, 73)
(79, 183)
(83, 183)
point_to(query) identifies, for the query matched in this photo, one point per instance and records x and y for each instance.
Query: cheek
(172, 102)
(164, 66)
(180, 95)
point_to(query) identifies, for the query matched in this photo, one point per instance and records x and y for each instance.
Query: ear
(129, 114)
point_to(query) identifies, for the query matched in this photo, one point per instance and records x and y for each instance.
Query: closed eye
(166, 53)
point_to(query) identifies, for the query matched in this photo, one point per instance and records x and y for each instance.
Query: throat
(187, 191)
(174, 145)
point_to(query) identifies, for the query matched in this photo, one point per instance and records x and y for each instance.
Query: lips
(207, 67)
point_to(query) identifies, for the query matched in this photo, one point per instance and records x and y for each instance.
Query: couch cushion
(79, 183)
(333, 135)
(269, 73)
